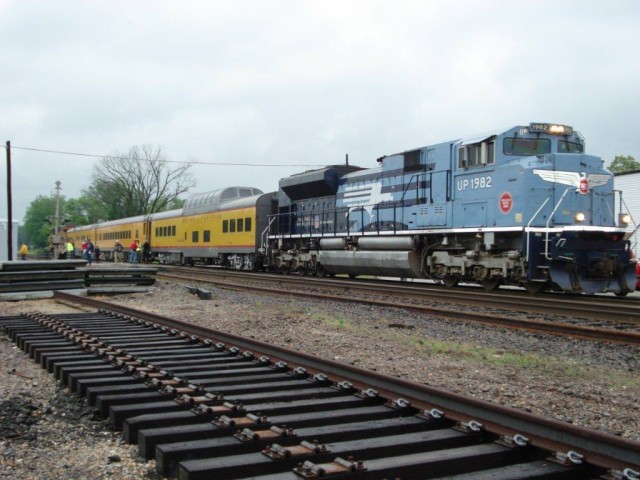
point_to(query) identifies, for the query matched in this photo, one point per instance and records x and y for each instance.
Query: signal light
(625, 219)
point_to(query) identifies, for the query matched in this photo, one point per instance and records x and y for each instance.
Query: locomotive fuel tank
(384, 263)
(387, 243)
(385, 256)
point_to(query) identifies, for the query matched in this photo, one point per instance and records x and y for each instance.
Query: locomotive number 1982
(474, 183)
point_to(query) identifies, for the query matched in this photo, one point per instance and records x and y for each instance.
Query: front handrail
(555, 209)
(530, 222)
(265, 235)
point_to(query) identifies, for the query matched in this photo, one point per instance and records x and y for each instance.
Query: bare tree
(139, 182)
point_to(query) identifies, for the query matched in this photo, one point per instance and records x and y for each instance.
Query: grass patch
(529, 363)
(330, 320)
(533, 363)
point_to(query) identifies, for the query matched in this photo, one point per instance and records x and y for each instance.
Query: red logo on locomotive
(505, 202)
(584, 185)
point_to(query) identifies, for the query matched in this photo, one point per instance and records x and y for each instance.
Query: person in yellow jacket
(70, 250)
(24, 250)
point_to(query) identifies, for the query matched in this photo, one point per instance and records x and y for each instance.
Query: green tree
(37, 222)
(138, 183)
(83, 210)
(176, 203)
(39, 219)
(624, 163)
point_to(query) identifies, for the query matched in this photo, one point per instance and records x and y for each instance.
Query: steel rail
(589, 307)
(553, 328)
(597, 448)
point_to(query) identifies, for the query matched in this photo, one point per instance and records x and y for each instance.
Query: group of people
(138, 253)
(88, 251)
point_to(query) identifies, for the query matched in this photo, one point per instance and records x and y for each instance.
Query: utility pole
(9, 206)
(56, 239)
(57, 219)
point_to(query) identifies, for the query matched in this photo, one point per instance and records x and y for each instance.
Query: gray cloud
(302, 82)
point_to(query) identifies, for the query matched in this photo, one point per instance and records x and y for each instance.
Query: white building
(4, 246)
(629, 184)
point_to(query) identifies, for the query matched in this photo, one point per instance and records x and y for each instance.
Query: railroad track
(607, 320)
(23, 278)
(208, 404)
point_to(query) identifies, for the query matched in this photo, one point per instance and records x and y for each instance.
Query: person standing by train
(24, 250)
(88, 252)
(70, 250)
(146, 252)
(133, 254)
(117, 252)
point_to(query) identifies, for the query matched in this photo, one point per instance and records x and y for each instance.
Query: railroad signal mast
(57, 240)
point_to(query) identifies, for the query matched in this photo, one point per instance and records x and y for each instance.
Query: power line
(192, 162)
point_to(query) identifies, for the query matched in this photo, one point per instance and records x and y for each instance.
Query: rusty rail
(596, 448)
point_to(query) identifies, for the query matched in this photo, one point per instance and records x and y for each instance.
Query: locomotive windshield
(526, 146)
(570, 147)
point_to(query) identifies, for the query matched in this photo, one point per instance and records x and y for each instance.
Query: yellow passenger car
(125, 231)
(223, 227)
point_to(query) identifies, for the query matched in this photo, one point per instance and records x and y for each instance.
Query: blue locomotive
(524, 206)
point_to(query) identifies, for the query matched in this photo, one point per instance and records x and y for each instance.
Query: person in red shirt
(133, 258)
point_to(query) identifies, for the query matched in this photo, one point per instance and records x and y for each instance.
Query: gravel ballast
(47, 433)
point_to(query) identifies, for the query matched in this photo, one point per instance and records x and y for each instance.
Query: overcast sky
(301, 83)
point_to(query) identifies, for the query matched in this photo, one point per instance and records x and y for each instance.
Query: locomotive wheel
(490, 284)
(450, 282)
(534, 287)
(294, 265)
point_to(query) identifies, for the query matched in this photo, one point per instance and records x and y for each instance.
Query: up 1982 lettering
(474, 183)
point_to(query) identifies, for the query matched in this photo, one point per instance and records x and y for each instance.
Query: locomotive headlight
(625, 219)
(579, 217)
(551, 128)
(557, 129)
